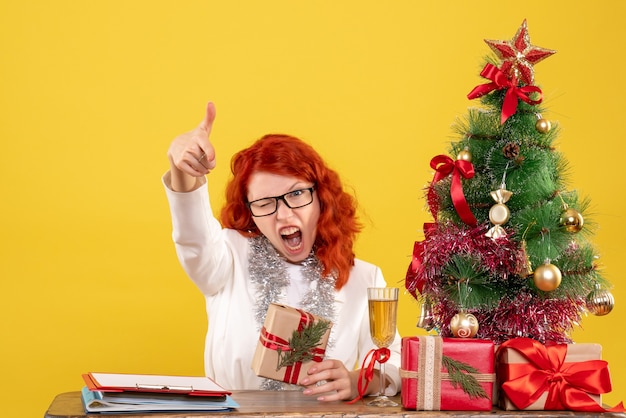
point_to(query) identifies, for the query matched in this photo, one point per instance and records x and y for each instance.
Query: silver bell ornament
(426, 320)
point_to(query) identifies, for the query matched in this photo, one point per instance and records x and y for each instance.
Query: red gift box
(427, 385)
(533, 376)
(280, 323)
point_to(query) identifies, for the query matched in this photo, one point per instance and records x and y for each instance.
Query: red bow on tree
(500, 81)
(415, 280)
(443, 166)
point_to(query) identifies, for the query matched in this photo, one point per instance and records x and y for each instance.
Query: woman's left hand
(331, 381)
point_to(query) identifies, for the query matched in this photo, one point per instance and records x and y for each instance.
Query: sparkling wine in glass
(383, 307)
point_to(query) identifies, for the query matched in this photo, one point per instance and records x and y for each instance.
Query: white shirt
(216, 259)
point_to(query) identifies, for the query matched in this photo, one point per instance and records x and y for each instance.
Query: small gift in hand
(290, 342)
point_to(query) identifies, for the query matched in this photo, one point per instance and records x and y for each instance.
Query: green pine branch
(461, 375)
(468, 283)
(302, 344)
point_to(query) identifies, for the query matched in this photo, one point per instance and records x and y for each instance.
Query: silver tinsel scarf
(269, 273)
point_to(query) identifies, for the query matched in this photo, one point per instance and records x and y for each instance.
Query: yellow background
(92, 92)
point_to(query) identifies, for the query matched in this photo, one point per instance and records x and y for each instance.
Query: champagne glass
(383, 306)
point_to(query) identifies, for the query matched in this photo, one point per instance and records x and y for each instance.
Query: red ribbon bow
(415, 280)
(443, 166)
(366, 374)
(500, 81)
(274, 342)
(568, 384)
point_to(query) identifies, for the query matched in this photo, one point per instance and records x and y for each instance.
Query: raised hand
(191, 154)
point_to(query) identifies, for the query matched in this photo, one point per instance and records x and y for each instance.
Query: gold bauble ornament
(600, 301)
(464, 155)
(426, 320)
(543, 125)
(464, 325)
(572, 220)
(547, 277)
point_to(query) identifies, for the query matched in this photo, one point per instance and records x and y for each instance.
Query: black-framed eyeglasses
(294, 200)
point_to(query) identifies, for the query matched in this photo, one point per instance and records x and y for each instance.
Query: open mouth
(292, 237)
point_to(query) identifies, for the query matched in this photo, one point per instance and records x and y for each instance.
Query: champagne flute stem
(383, 379)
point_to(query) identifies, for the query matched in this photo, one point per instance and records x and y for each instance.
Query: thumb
(207, 122)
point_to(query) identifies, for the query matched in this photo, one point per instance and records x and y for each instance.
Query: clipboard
(149, 383)
(132, 402)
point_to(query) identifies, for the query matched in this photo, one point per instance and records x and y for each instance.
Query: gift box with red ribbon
(447, 374)
(534, 376)
(290, 342)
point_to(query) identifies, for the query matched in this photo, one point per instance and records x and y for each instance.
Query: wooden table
(291, 404)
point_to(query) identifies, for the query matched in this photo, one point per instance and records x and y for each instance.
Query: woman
(286, 236)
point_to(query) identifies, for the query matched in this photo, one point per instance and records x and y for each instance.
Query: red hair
(289, 156)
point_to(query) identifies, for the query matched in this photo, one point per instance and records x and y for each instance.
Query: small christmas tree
(508, 254)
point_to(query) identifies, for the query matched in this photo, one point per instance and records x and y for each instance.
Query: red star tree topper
(518, 55)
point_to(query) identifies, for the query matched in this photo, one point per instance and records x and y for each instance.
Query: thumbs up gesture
(191, 154)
